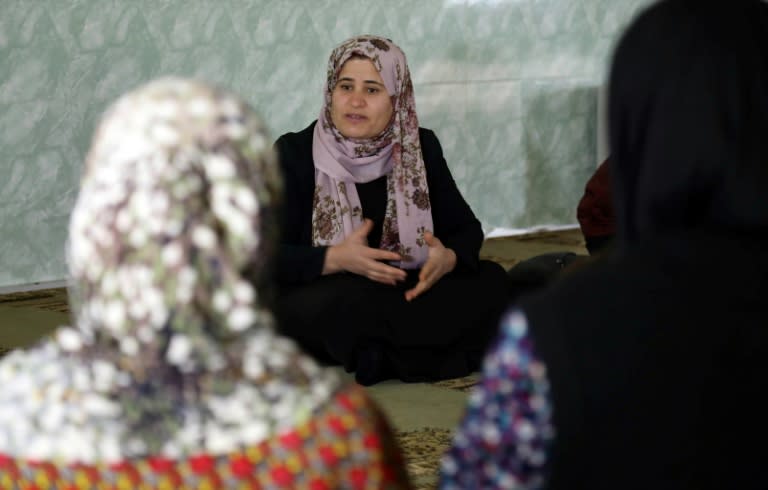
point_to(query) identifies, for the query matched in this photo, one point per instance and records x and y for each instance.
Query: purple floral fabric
(340, 162)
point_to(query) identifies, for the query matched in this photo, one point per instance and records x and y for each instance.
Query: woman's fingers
(366, 261)
(429, 275)
(388, 272)
(380, 272)
(426, 280)
(419, 288)
(378, 254)
(382, 278)
(364, 229)
(383, 272)
(428, 270)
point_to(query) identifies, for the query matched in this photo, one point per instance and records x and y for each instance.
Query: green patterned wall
(509, 86)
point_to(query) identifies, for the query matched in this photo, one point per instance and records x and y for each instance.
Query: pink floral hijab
(396, 153)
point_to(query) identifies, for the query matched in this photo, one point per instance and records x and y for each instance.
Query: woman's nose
(357, 100)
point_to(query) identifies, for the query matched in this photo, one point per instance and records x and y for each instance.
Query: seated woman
(647, 368)
(379, 266)
(598, 226)
(172, 376)
(595, 210)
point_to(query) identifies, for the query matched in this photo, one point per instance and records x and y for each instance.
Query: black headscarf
(657, 355)
(688, 115)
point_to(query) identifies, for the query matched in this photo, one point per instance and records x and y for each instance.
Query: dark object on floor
(598, 244)
(537, 272)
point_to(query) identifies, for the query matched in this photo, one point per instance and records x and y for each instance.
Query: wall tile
(559, 141)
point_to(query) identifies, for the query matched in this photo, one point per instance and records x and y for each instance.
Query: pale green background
(509, 86)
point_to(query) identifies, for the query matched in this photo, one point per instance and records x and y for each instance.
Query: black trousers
(370, 329)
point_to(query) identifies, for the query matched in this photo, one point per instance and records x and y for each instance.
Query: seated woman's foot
(372, 367)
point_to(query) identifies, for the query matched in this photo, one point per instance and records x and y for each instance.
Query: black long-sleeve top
(299, 262)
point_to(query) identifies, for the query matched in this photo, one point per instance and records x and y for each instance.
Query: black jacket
(299, 262)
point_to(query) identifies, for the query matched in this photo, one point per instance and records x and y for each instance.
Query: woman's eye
(344, 86)
(372, 90)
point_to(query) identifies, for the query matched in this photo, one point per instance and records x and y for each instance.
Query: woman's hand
(355, 256)
(440, 262)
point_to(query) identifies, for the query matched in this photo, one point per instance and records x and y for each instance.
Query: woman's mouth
(355, 117)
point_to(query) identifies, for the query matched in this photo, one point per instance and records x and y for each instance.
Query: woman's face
(360, 104)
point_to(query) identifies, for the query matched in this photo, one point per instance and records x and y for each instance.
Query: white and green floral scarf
(173, 350)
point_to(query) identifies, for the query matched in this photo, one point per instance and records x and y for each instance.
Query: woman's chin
(355, 132)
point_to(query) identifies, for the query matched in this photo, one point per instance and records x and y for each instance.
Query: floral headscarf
(396, 152)
(173, 350)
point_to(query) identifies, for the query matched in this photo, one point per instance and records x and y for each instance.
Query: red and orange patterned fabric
(348, 444)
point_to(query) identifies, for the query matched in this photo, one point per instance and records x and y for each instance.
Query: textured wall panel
(509, 86)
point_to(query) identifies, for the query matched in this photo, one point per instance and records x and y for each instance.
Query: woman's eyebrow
(350, 79)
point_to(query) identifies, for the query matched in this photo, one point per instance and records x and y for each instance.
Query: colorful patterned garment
(340, 447)
(173, 363)
(503, 439)
(340, 162)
